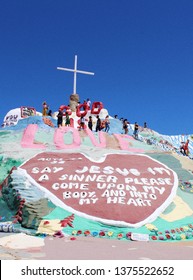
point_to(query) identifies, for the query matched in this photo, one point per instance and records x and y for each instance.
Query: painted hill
(60, 181)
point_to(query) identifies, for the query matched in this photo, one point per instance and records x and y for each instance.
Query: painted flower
(120, 235)
(58, 234)
(87, 232)
(183, 236)
(128, 235)
(110, 233)
(72, 238)
(94, 233)
(74, 232)
(102, 233)
(161, 237)
(168, 236)
(79, 232)
(154, 237)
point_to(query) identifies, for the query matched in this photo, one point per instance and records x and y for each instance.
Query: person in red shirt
(186, 150)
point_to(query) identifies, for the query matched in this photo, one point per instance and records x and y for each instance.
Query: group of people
(47, 112)
(126, 125)
(60, 118)
(87, 102)
(183, 148)
(103, 124)
(126, 128)
(99, 124)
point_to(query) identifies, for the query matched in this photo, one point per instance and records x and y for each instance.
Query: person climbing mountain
(136, 128)
(125, 126)
(107, 124)
(184, 148)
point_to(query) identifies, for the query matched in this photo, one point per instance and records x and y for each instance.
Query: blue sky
(141, 52)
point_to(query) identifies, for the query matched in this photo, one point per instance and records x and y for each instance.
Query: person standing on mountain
(88, 103)
(44, 108)
(125, 126)
(136, 128)
(184, 148)
(107, 124)
(67, 122)
(98, 124)
(60, 118)
(90, 123)
(82, 123)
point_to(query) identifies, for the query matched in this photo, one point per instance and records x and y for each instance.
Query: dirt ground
(89, 248)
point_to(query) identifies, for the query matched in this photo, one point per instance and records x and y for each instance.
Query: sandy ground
(89, 248)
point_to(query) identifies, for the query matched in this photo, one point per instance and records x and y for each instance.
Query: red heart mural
(120, 189)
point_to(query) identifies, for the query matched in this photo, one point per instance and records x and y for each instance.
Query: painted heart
(120, 189)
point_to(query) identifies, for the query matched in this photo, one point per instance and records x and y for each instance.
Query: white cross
(75, 71)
